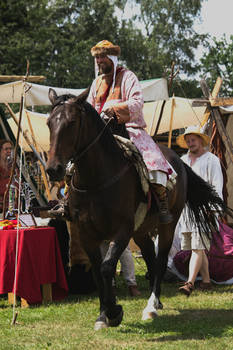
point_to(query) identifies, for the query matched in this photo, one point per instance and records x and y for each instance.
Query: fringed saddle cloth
(132, 153)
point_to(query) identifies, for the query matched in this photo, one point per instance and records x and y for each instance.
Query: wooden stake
(30, 78)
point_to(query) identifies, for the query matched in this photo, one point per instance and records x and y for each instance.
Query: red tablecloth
(39, 262)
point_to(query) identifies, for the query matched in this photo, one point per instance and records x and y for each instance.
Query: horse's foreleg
(94, 254)
(114, 312)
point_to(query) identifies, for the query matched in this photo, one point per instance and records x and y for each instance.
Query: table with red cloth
(39, 263)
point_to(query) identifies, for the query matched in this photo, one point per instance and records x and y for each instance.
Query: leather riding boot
(133, 291)
(165, 217)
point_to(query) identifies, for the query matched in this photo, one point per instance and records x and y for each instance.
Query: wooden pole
(171, 122)
(14, 161)
(214, 94)
(24, 134)
(172, 76)
(40, 165)
(218, 120)
(29, 78)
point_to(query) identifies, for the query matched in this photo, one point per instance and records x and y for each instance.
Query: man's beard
(105, 68)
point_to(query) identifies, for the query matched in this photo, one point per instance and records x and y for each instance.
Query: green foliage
(169, 33)
(56, 37)
(218, 61)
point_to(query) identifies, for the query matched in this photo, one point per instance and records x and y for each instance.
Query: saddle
(132, 153)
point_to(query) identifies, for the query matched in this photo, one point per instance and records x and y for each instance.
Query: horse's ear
(83, 96)
(52, 95)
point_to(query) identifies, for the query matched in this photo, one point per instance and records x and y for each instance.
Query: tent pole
(25, 135)
(171, 122)
(40, 165)
(14, 161)
(172, 76)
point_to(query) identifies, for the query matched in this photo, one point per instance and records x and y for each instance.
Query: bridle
(77, 156)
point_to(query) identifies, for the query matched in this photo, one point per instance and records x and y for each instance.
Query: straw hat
(105, 47)
(180, 140)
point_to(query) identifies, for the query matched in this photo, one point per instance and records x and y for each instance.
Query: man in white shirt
(207, 166)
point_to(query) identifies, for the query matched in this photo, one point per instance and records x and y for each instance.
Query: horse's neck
(100, 163)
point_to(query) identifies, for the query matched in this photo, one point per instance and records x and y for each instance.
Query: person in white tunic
(207, 166)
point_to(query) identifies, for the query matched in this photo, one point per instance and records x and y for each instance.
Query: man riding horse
(117, 93)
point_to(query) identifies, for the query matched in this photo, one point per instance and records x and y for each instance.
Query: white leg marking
(150, 311)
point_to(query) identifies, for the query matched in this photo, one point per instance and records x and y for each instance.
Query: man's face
(194, 143)
(105, 65)
(6, 151)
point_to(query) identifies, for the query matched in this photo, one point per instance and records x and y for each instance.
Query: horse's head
(63, 123)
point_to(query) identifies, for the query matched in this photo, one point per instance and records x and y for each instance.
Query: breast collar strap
(110, 182)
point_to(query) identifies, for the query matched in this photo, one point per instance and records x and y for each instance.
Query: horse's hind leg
(147, 248)
(165, 242)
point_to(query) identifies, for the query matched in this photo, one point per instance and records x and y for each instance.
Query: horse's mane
(107, 139)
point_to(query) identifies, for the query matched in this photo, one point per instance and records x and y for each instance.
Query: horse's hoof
(100, 325)
(160, 306)
(149, 315)
(115, 320)
(101, 322)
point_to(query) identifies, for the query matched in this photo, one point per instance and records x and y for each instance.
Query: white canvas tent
(184, 115)
(37, 95)
(40, 129)
(154, 92)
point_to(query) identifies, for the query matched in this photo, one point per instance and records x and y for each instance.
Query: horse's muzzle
(56, 173)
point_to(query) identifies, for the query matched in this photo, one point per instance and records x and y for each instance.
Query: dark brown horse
(106, 199)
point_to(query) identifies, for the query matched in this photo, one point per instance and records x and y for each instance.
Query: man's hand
(109, 111)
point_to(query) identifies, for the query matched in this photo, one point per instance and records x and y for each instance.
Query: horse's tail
(204, 204)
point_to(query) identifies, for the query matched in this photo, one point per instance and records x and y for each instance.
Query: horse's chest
(94, 215)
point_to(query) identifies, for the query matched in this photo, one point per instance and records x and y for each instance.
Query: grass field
(202, 321)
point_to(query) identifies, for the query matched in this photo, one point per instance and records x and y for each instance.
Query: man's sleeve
(215, 174)
(131, 107)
